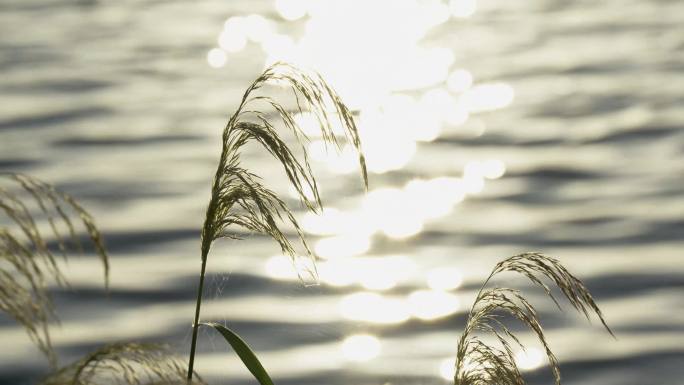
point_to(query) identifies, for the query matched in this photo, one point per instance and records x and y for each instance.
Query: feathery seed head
(478, 363)
(125, 364)
(239, 197)
(27, 262)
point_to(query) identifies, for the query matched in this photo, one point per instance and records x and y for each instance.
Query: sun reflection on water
(529, 359)
(434, 198)
(459, 80)
(444, 278)
(216, 58)
(258, 28)
(463, 8)
(488, 97)
(384, 273)
(396, 212)
(330, 221)
(404, 91)
(405, 95)
(338, 273)
(233, 38)
(432, 304)
(346, 245)
(426, 305)
(344, 161)
(447, 368)
(384, 209)
(384, 146)
(291, 9)
(372, 273)
(361, 347)
(374, 308)
(281, 267)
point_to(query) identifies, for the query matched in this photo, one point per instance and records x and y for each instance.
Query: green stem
(195, 324)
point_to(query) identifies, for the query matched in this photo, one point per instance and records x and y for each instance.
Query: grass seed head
(478, 363)
(27, 262)
(239, 197)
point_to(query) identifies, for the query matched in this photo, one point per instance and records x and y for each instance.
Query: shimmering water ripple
(491, 128)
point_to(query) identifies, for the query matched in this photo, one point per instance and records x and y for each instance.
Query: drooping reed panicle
(479, 363)
(27, 263)
(238, 197)
(125, 364)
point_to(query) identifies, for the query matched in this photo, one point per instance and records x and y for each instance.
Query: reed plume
(239, 197)
(28, 263)
(478, 363)
(125, 364)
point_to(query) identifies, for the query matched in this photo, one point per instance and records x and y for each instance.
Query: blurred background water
(544, 125)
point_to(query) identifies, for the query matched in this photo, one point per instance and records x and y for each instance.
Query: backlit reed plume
(238, 197)
(32, 215)
(479, 363)
(125, 364)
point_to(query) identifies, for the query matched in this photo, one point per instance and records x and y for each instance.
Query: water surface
(491, 128)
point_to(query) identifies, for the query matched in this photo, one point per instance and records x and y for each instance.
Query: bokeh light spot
(216, 58)
(361, 347)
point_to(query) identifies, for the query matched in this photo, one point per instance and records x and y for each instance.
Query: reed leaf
(27, 263)
(125, 364)
(239, 199)
(244, 352)
(478, 363)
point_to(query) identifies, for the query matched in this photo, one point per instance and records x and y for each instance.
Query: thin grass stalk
(195, 324)
(238, 198)
(206, 246)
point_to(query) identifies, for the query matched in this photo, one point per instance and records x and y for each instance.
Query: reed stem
(195, 324)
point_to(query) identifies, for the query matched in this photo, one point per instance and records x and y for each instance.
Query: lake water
(544, 125)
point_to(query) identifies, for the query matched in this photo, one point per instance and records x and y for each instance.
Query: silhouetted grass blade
(244, 352)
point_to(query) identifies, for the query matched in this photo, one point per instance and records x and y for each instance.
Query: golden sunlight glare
(361, 347)
(529, 359)
(428, 305)
(444, 278)
(373, 308)
(447, 369)
(216, 58)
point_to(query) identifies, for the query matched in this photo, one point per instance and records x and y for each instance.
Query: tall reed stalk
(238, 197)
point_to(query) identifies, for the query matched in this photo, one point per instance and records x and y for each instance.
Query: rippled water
(523, 125)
